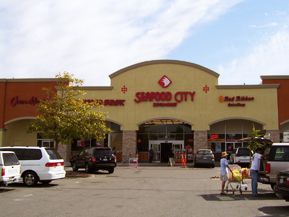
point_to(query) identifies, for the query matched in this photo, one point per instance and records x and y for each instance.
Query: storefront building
(18, 101)
(159, 105)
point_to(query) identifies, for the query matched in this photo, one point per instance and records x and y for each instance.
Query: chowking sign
(164, 98)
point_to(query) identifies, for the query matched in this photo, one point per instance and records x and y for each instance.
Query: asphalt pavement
(144, 191)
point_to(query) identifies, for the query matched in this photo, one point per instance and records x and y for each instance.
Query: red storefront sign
(165, 99)
(106, 102)
(18, 101)
(236, 101)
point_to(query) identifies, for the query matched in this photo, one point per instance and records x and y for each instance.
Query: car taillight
(93, 159)
(287, 182)
(267, 168)
(3, 172)
(54, 164)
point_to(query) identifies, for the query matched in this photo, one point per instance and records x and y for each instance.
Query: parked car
(93, 159)
(276, 159)
(282, 185)
(204, 157)
(38, 164)
(9, 168)
(242, 156)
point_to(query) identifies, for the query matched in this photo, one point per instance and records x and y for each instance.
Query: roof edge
(11, 80)
(274, 77)
(96, 87)
(165, 61)
(258, 86)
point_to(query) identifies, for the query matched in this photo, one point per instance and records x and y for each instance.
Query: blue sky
(239, 39)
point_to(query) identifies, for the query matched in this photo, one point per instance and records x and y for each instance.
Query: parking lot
(139, 192)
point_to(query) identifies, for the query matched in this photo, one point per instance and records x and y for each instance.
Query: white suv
(9, 168)
(38, 164)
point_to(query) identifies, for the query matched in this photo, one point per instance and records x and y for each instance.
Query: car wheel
(87, 169)
(74, 167)
(30, 178)
(111, 170)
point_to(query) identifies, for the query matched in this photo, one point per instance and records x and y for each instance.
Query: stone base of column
(65, 153)
(128, 145)
(200, 140)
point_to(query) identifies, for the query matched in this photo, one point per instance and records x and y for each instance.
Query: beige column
(128, 145)
(200, 140)
(274, 135)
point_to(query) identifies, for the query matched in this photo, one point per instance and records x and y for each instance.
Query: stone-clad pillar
(65, 152)
(200, 140)
(128, 144)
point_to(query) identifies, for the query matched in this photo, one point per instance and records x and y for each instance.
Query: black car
(94, 159)
(282, 185)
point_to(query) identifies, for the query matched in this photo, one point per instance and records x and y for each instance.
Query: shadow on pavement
(71, 174)
(83, 174)
(275, 211)
(4, 189)
(237, 197)
(39, 185)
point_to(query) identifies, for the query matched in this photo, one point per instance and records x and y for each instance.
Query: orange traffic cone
(184, 160)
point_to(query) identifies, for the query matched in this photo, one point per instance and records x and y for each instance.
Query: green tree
(257, 140)
(64, 116)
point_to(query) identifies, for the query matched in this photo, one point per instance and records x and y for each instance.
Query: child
(223, 175)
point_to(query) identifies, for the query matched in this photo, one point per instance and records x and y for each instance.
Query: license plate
(104, 159)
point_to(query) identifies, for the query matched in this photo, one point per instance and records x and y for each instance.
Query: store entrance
(165, 151)
(161, 149)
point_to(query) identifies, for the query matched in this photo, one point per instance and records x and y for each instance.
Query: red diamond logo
(165, 81)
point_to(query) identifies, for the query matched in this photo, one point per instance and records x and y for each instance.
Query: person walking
(223, 173)
(171, 158)
(151, 155)
(254, 171)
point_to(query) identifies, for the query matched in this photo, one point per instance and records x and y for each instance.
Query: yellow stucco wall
(16, 134)
(203, 111)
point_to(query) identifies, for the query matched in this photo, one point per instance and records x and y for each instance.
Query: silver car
(276, 159)
(204, 157)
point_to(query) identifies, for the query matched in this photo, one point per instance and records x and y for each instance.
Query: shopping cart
(235, 179)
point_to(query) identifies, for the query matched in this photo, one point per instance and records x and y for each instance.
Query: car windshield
(102, 152)
(244, 152)
(53, 155)
(203, 152)
(10, 159)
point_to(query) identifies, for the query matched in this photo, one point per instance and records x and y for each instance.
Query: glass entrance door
(161, 147)
(156, 147)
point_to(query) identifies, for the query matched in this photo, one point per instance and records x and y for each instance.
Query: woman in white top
(223, 175)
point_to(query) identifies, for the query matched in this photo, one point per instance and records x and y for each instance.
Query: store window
(44, 142)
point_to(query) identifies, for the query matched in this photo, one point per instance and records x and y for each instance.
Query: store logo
(165, 81)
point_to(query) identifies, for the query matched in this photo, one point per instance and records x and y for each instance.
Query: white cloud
(91, 38)
(269, 57)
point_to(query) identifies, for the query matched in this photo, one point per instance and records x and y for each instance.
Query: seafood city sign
(164, 98)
